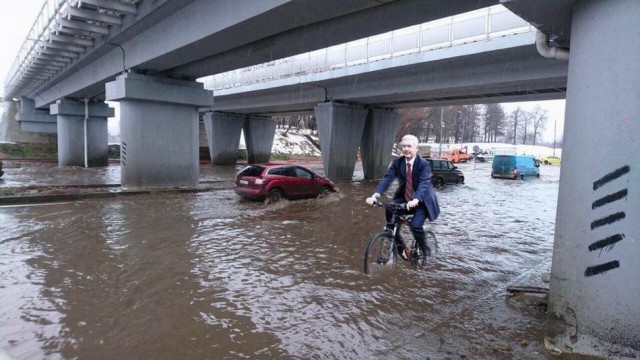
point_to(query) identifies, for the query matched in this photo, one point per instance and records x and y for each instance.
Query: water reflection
(210, 276)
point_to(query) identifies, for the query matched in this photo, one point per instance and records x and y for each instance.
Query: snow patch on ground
(295, 143)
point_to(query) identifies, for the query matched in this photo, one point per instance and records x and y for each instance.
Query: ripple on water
(188, 275)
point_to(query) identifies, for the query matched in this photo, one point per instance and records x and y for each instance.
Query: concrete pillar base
(593, 296)
(223, 136)
(258, 136)
(72, 136)
(340, 127)
(159, 130)
(377, 142)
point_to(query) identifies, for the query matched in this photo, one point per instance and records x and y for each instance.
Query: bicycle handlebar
(391, 206)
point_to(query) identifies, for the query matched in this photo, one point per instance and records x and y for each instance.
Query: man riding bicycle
(414, 177)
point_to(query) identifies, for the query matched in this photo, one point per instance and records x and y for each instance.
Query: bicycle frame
(393, 226)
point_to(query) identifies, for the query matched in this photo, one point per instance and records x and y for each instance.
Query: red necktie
(408, 189)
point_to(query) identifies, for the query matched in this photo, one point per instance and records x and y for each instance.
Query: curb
(38, 199)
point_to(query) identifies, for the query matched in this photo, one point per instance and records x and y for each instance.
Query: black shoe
(401, 253)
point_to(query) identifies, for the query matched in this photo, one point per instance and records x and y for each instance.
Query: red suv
(277, 181)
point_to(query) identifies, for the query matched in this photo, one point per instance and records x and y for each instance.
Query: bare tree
(494, 122)
(419, 122)
(539, 118)
(516, 117)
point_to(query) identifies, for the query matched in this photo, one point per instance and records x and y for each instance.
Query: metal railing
(44, 21)
(483, 24)
(64, 31)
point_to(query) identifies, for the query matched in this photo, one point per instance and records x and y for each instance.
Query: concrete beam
(35, 120)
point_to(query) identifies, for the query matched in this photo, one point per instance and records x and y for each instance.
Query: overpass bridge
(147, 55)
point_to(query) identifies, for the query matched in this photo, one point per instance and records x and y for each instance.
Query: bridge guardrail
(46, 16)
(483, 24)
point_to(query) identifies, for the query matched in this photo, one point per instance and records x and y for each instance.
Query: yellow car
(551, 160)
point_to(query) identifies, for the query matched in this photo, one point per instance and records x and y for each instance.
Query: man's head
(409, 145)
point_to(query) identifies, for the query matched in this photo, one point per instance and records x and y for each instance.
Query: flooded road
(209, 276)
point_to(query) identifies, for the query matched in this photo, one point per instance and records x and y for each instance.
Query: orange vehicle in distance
(456, 155)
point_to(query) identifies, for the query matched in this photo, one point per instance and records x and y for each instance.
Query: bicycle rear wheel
(380, 254)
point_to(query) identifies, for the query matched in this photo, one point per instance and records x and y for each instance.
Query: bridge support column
(377, 142)
(75, 136)
(340, 129)
(223, 136)
(593, 299)
(158, 130)
(258, 136)
(35, 120)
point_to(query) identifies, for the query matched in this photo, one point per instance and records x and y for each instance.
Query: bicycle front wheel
(380, 255)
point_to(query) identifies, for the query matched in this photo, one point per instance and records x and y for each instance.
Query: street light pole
(441, 127)
(461, 139)
(554, 136)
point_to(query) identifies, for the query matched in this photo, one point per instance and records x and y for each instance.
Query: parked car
(277, 181)
(551, 160)
(514, 167)
(444, 172)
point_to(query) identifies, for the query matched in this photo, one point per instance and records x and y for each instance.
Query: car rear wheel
(274, 196)
(440, 182)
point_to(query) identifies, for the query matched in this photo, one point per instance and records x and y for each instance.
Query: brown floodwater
(210, 276)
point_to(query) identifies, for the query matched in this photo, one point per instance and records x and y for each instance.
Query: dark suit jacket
(422, 189)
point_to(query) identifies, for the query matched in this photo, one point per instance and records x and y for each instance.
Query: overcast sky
(17, 17)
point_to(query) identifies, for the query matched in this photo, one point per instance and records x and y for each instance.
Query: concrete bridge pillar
(223, 136)
(35, 120)
(158, 130)
(340, 128)
(80, 142)
(258, 136)
(593, 300)
(377, 142)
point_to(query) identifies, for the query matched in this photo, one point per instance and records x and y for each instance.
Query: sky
(17, 17)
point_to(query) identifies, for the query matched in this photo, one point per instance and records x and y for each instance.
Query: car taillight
(259, 181)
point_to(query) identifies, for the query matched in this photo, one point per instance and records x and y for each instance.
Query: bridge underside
(514, 74)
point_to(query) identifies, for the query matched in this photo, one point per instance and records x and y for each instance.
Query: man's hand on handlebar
(373, 199)
(413, 203)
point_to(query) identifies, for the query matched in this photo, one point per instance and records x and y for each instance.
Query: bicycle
(382, 252)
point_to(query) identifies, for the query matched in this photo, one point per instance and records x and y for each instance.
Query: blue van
(514, 167)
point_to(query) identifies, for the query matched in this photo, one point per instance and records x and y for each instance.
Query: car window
(282, 171)
(437, 164)
(449, 165)
(253, 170)
(302, 173)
